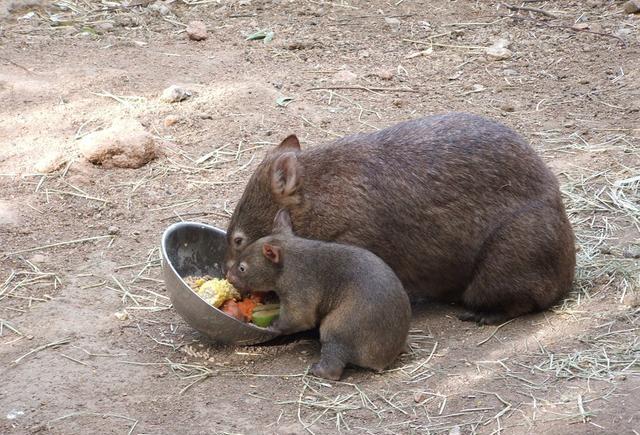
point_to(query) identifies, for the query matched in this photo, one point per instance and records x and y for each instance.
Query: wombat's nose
(232, 279)
(226, 267)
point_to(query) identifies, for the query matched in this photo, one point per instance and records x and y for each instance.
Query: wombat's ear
(282, 222)
(290, 142)
(272, 253)
(286, 175)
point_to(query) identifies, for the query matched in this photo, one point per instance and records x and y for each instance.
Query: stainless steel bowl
(194, 249)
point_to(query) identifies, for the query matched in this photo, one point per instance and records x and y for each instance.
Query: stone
(508, 107)
(104, 26)
(345, 76)
(197, 31)
(393, 23)
(499, 50)
(632, 7)
(632, 299)
(8, 214)
(420, 396)
(160, 8)
(174, 94)
(121, 315)
(51, 162)
(385, 74)
(38, 258)
(632, 251)
(126, 144)
(171, 120)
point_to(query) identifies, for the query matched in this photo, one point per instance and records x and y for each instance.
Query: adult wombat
(460, 207)
(356, 299)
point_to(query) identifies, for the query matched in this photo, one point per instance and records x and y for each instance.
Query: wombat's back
(424, 195)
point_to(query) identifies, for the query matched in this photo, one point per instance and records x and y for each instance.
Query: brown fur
(356, 299)
(460, 207)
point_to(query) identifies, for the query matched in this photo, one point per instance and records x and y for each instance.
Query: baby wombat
(460, 207)
(356, 299)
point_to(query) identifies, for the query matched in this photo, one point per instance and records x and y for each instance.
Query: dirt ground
(70, 364)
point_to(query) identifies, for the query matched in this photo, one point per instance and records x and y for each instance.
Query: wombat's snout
(237, 283)
(226, 267)
(231, 278)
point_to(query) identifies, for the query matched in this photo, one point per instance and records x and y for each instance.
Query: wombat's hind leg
(525, 266)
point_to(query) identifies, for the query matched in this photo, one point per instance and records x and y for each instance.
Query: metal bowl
(195, 249)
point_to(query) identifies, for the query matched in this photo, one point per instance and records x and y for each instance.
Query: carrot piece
(246, 307)
(231, 308)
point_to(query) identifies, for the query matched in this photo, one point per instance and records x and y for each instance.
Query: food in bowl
(261, 309)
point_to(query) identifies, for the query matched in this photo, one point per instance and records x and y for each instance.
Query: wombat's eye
(242, 267)
(237, 241)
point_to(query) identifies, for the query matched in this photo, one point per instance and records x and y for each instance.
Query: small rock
(632, 299)
(420, 397)
(498, 53)
(474, 89)
(291, 429)
(508, 107)
(499, 50)
(632, 6)
(425, 25)
(171, 120)
(584, 81)
(580, 26)
(631, 252)
(398, 102)
(623, 32)
(174, 94)
(113, 230)
(456, 75)
(8, 214)
(567, 398)
(298, 44)
(197, 31)
(105, 26)
(121, 315)
(38, 258)
(50, 163)
(12, 415)
(345, 76)
(385, 74)
(162, 9)
(392, 21)
(125, 144)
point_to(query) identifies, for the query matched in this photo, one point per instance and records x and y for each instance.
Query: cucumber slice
(264, 318)
(267, 307)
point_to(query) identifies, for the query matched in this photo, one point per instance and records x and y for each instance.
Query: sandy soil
(68, 364)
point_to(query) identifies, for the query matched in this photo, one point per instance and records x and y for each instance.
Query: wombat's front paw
(273, 328)
(323, 370)
(276, 326)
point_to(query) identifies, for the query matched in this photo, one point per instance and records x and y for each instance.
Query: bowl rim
(172, 228)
